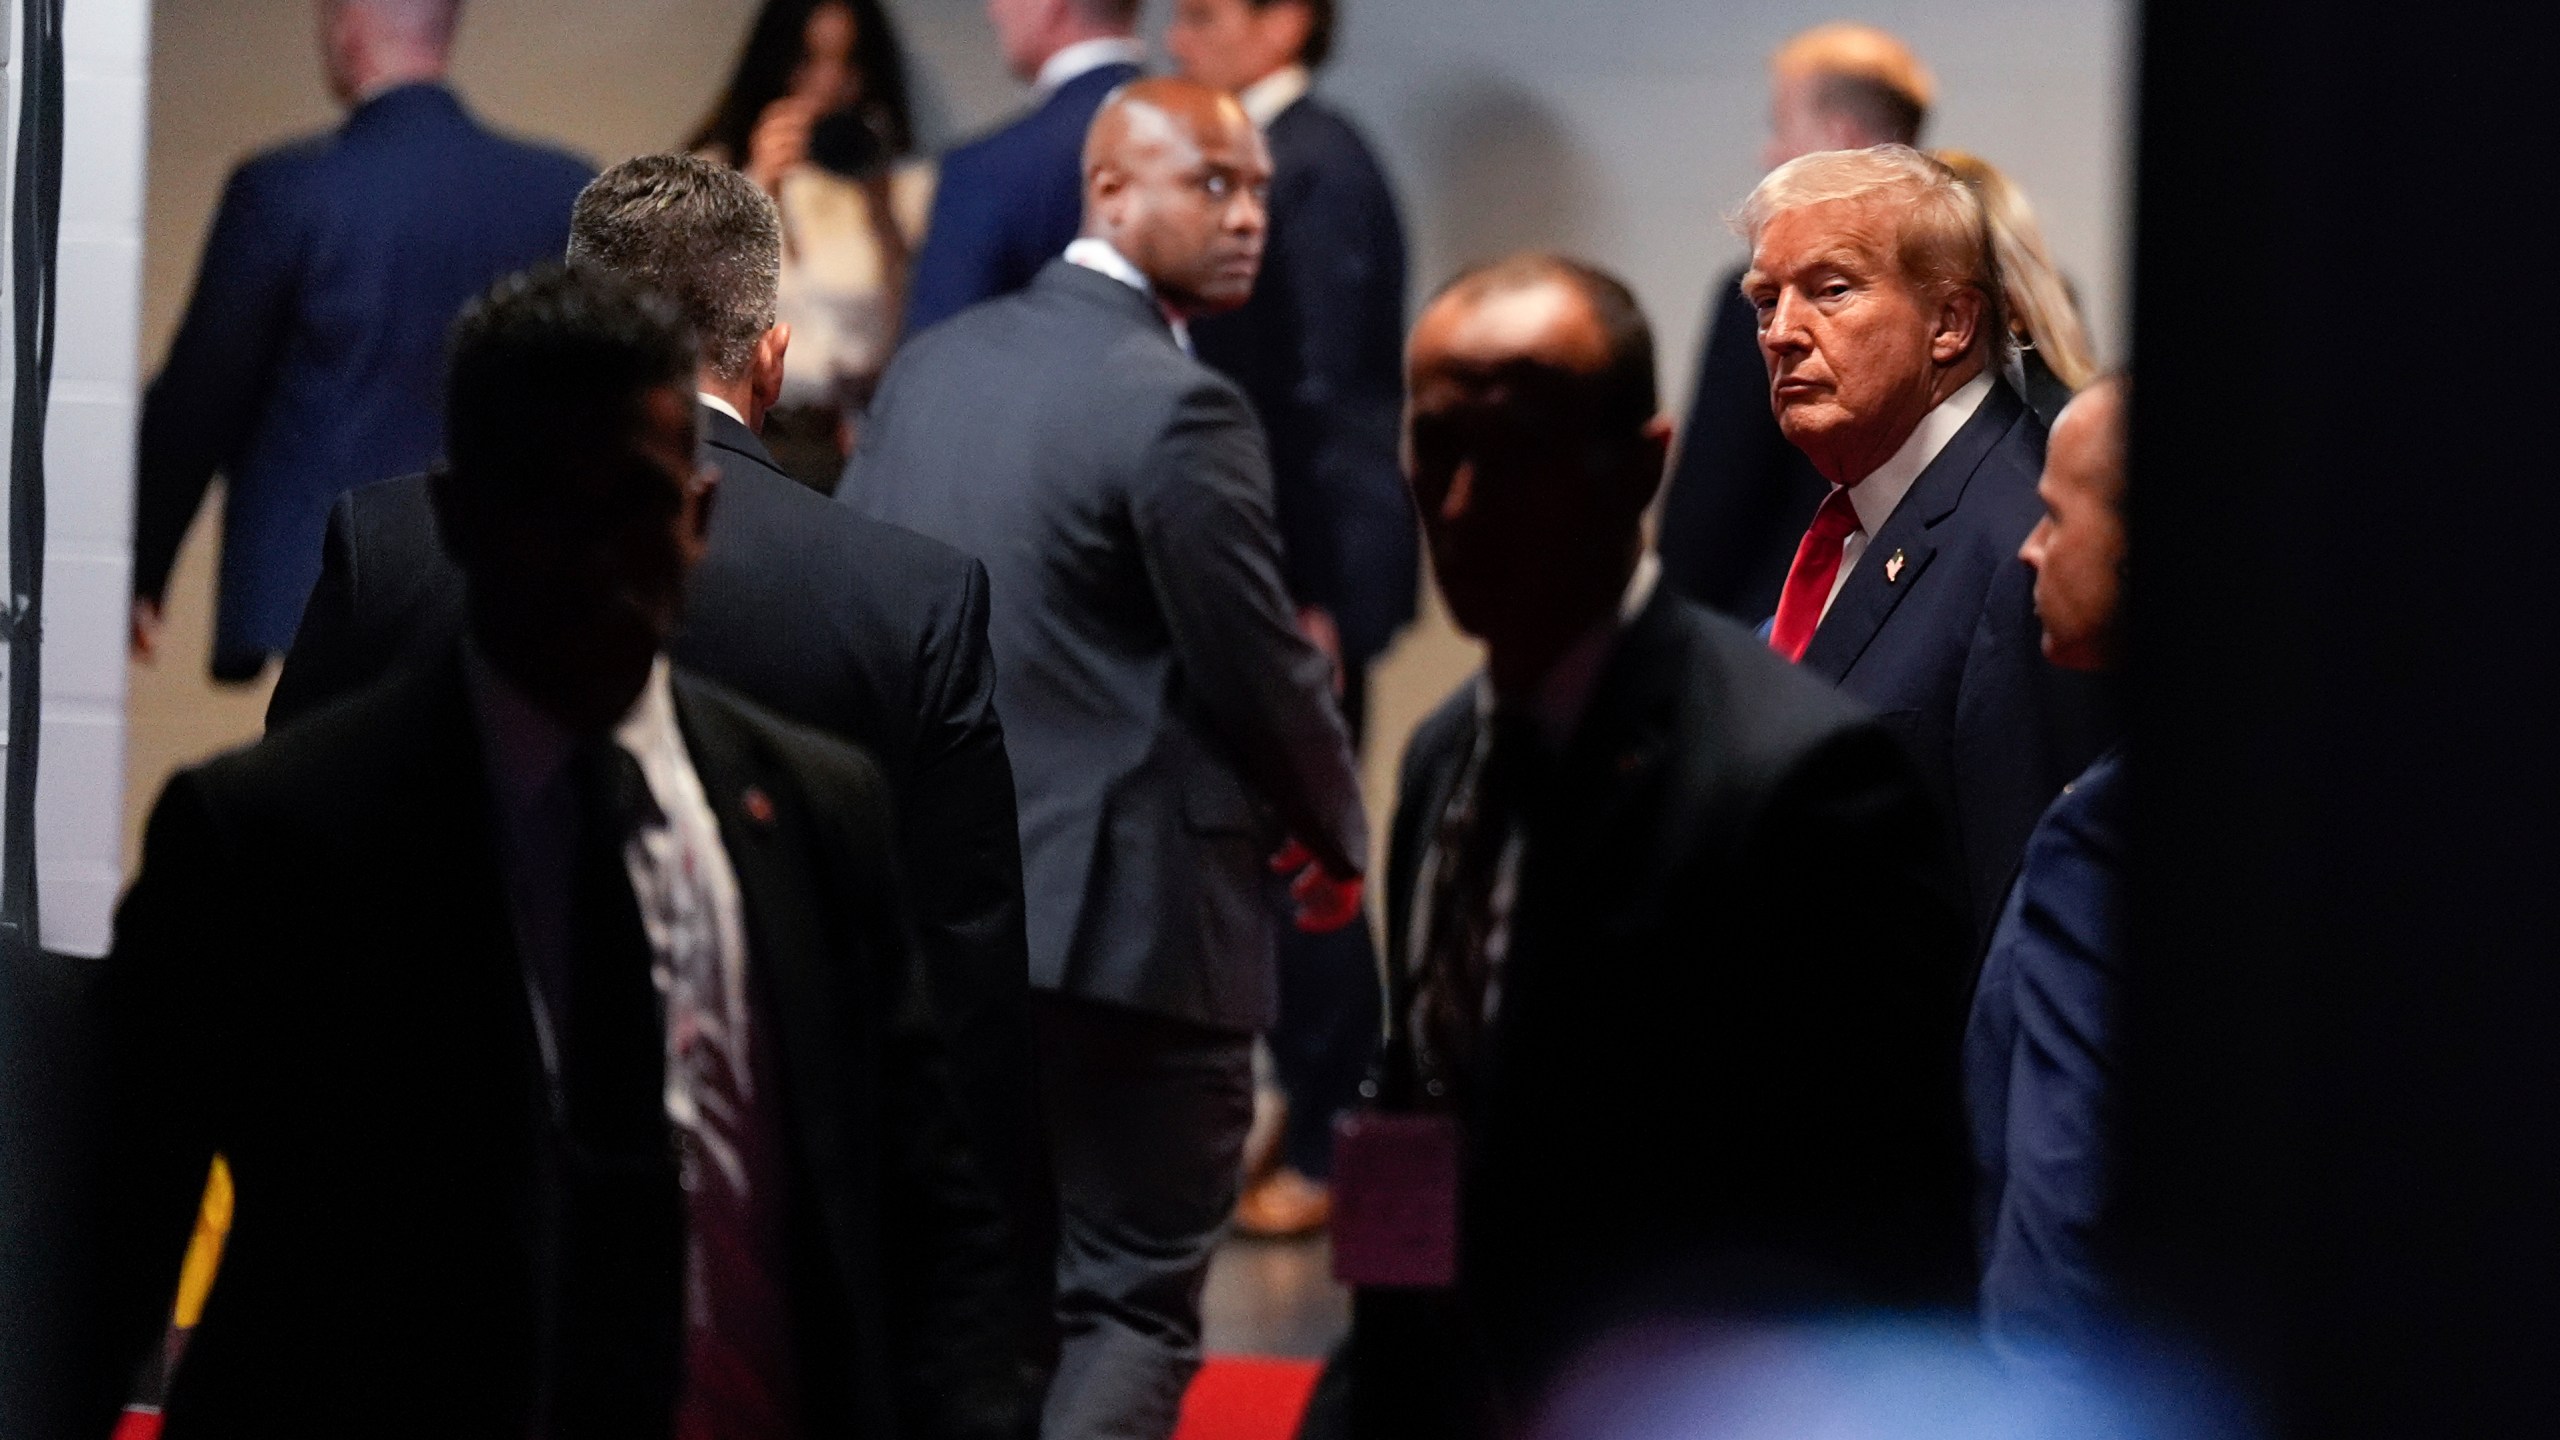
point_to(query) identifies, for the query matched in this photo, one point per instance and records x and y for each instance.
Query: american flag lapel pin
(1893, 568)
(759, 805)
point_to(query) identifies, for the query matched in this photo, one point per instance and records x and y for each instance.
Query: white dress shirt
(1266, 99)
(1876, 497)
(680, 874)
(1105, 258)
(723, 406)
(1085, 57)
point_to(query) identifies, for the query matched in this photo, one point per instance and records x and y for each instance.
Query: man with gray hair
(1878, 306)
(869, 632)
(311, 358)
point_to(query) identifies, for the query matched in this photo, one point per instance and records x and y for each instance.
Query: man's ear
(1960, 317)
(1648, 461)
(764, 371)
(1292, 21)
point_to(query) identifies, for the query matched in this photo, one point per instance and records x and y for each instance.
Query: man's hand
(1326, 902)
(1316, 623)
(143, 632)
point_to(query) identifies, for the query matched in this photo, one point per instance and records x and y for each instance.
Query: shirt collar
(1086, 56)
(1566, 691)
(1267, 98)
(714, 402)
(1875, 497)
(1101, 256)
(528, 748)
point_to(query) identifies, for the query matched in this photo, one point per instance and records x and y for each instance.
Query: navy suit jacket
(1008, 203)
(1319, 350)
(1740, 495)
(2040, 1065)
(1936, 631)
(312, 356)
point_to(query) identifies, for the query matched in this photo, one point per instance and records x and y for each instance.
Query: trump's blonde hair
(1942, 236)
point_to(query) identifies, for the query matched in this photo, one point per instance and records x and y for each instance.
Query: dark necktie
(620, 1248)
(1457, 964)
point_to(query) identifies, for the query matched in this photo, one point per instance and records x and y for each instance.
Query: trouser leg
(1146, 1124)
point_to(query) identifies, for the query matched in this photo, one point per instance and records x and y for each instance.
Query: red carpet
(1239, 1398)
(1233, 1398)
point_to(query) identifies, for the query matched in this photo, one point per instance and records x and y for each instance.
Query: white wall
(88, 470)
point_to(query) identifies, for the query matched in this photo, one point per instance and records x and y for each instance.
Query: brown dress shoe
(1284, 1206)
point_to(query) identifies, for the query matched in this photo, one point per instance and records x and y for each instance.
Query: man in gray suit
(1162, 708)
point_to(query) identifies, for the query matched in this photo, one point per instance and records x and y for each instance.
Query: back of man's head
(699, 233)
(1120, 16)
(551, 363)
(1863, 79)
(369, 46)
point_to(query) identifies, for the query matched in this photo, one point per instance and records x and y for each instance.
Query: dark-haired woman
(816, 113)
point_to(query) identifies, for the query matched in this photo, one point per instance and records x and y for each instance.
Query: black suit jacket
(1158, 696)
(315, 975)
(1319, 350)
(1740, 495)
(1946, 648)
(1724, 1069)
(868, 632)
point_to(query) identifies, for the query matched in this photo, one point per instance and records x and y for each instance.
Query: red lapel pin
(759, 805)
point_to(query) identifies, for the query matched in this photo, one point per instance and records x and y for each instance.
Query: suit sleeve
(1344, 272)
(962, 259)
(2024, 727)
(2040, 1284)
(152, 1021)
(200, 413)
(1202, 511)
(1848, 867)
(947, 1253)
(327, 659)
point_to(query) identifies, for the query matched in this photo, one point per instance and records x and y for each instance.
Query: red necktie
(1809, 579)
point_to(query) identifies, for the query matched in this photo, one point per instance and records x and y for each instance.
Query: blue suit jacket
(312, 356)
(1936, 631)
(1319, 350)
(2040, 1065)
(1008, 203)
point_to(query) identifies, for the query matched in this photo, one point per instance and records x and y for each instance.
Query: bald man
(311, 359)
(1170, 727)
(1741, 496)
(1681, 1061)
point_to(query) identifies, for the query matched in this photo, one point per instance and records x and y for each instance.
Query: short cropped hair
(1625, 392)
(429, 23)
(1864, 75)
(549, 359)
(1320, 21)
(696, 231)
(1942, 236)
(1118, 14)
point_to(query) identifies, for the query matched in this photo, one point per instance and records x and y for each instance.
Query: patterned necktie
(1809, 579)
(1467, 927)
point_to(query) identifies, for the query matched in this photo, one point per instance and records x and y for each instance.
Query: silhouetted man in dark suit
(871, 633)
(312, 355)
(1740, 495)
(1006, 204)
(1318, 350)
(1880, 317)
(1162, 707)
(2042, 1055)
(1677, 968)
(557, 1013)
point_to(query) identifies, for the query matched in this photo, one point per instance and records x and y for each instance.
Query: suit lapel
(1900, 553)
(788, 966)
